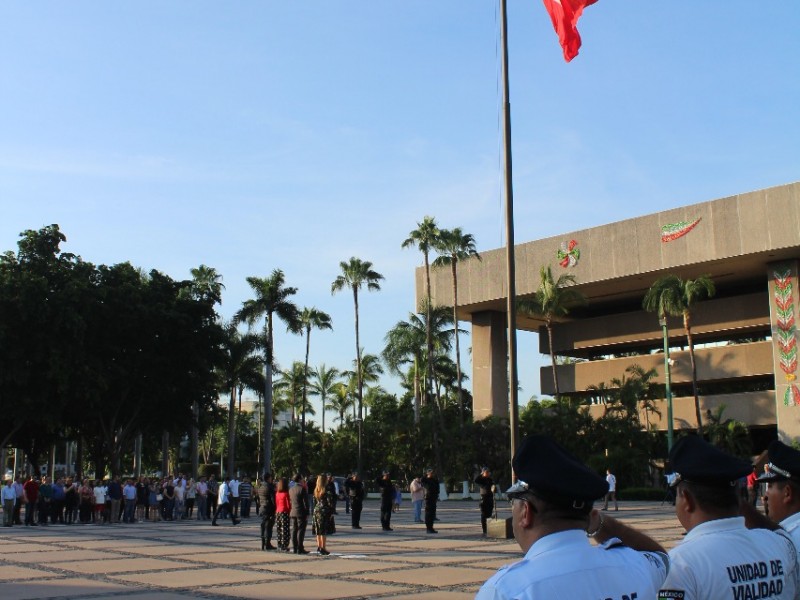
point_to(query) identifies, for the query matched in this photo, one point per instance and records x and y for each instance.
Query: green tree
(310, 318)
(554, 298)
(355, 275)
(240, 366)
(322, 385)
(671, 295)
(272, 298)
(454, 246)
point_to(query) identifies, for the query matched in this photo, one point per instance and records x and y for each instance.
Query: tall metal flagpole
(511, 304)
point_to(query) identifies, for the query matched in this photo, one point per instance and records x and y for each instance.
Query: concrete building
(745, 337)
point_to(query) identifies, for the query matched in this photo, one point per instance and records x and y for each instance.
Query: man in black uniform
(431, 485)
(266, 498)
(486, 486)
(387, 500)
(354, 488)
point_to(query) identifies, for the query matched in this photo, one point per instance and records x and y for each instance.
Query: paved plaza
(191, 559)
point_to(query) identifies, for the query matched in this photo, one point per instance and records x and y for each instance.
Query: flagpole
(511, 305)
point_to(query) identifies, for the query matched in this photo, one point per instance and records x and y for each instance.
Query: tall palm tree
(454, 246)
(425, 237)
(671, 295)
(239, 366)
(272, 299)
(322, 384)
(310, 318)
(356, 274)
(553, 299)
(289, 385)
(341, 400)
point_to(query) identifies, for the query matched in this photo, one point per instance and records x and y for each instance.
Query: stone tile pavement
(191, 559)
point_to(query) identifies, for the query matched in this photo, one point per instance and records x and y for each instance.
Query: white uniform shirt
(100, 492)
(223, 493)
(612, 482)
(723, 560)
(234, 487)
(792, 526)
(566, 565)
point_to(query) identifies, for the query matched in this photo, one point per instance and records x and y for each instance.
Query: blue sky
(250, 136)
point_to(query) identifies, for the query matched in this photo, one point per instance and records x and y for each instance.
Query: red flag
(565, 15)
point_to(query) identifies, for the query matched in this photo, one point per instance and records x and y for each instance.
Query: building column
(784, 309)
(489, 365)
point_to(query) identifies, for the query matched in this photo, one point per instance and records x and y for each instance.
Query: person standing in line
(266, 498)
(201, 498)
(283, 507)
(129, 496)
(354, 488)
(417, 498)
(8, 498)
(612, 490)
(59, 496)
(19, 490)
(213, 496)
(234, 495)
(31, 497)
(114, 496)
(720, 558)
(224, 503)
(431, 485)
(70, 501)
(45, 500)
(245, 497)
(100, 497)
(387, 500)
(486, 487)
(323, 513)
(298, 498)
(333, 490)
(553, 519)
(752, 486)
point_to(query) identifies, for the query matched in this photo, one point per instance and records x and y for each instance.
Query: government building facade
(745, 337)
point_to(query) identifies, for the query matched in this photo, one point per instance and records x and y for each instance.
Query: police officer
(354, 488)
(553, 518)
(719, 557)
(782, 497)
(431, 485)
(486, 488)
(266, 499)
(387, 500)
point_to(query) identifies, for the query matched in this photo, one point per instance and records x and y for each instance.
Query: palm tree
(289, 385)
(341, 400)
(553, 299)
(207, 283)
(371, 369)
(272, 298)
(356, 274)
(671, 295)
(425, 237)
(310, 318)
(239, 366)
(322, 384)
(453, 246)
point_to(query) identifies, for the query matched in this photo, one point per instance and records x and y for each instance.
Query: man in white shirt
(129, 495)
(223, 504)
(8, 498)
(782, 497)
(720, 558)
(233, 488)
(553, 519)
(612, 490)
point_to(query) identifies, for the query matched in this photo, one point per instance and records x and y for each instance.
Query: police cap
(784, 463)
(545, 469)
(695, 460)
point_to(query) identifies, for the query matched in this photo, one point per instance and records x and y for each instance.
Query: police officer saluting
(720, 558)
(553, 518)
(486, 486)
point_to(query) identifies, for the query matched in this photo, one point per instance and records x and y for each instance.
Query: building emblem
(673, 231)
(568, 254)
(785, 333)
